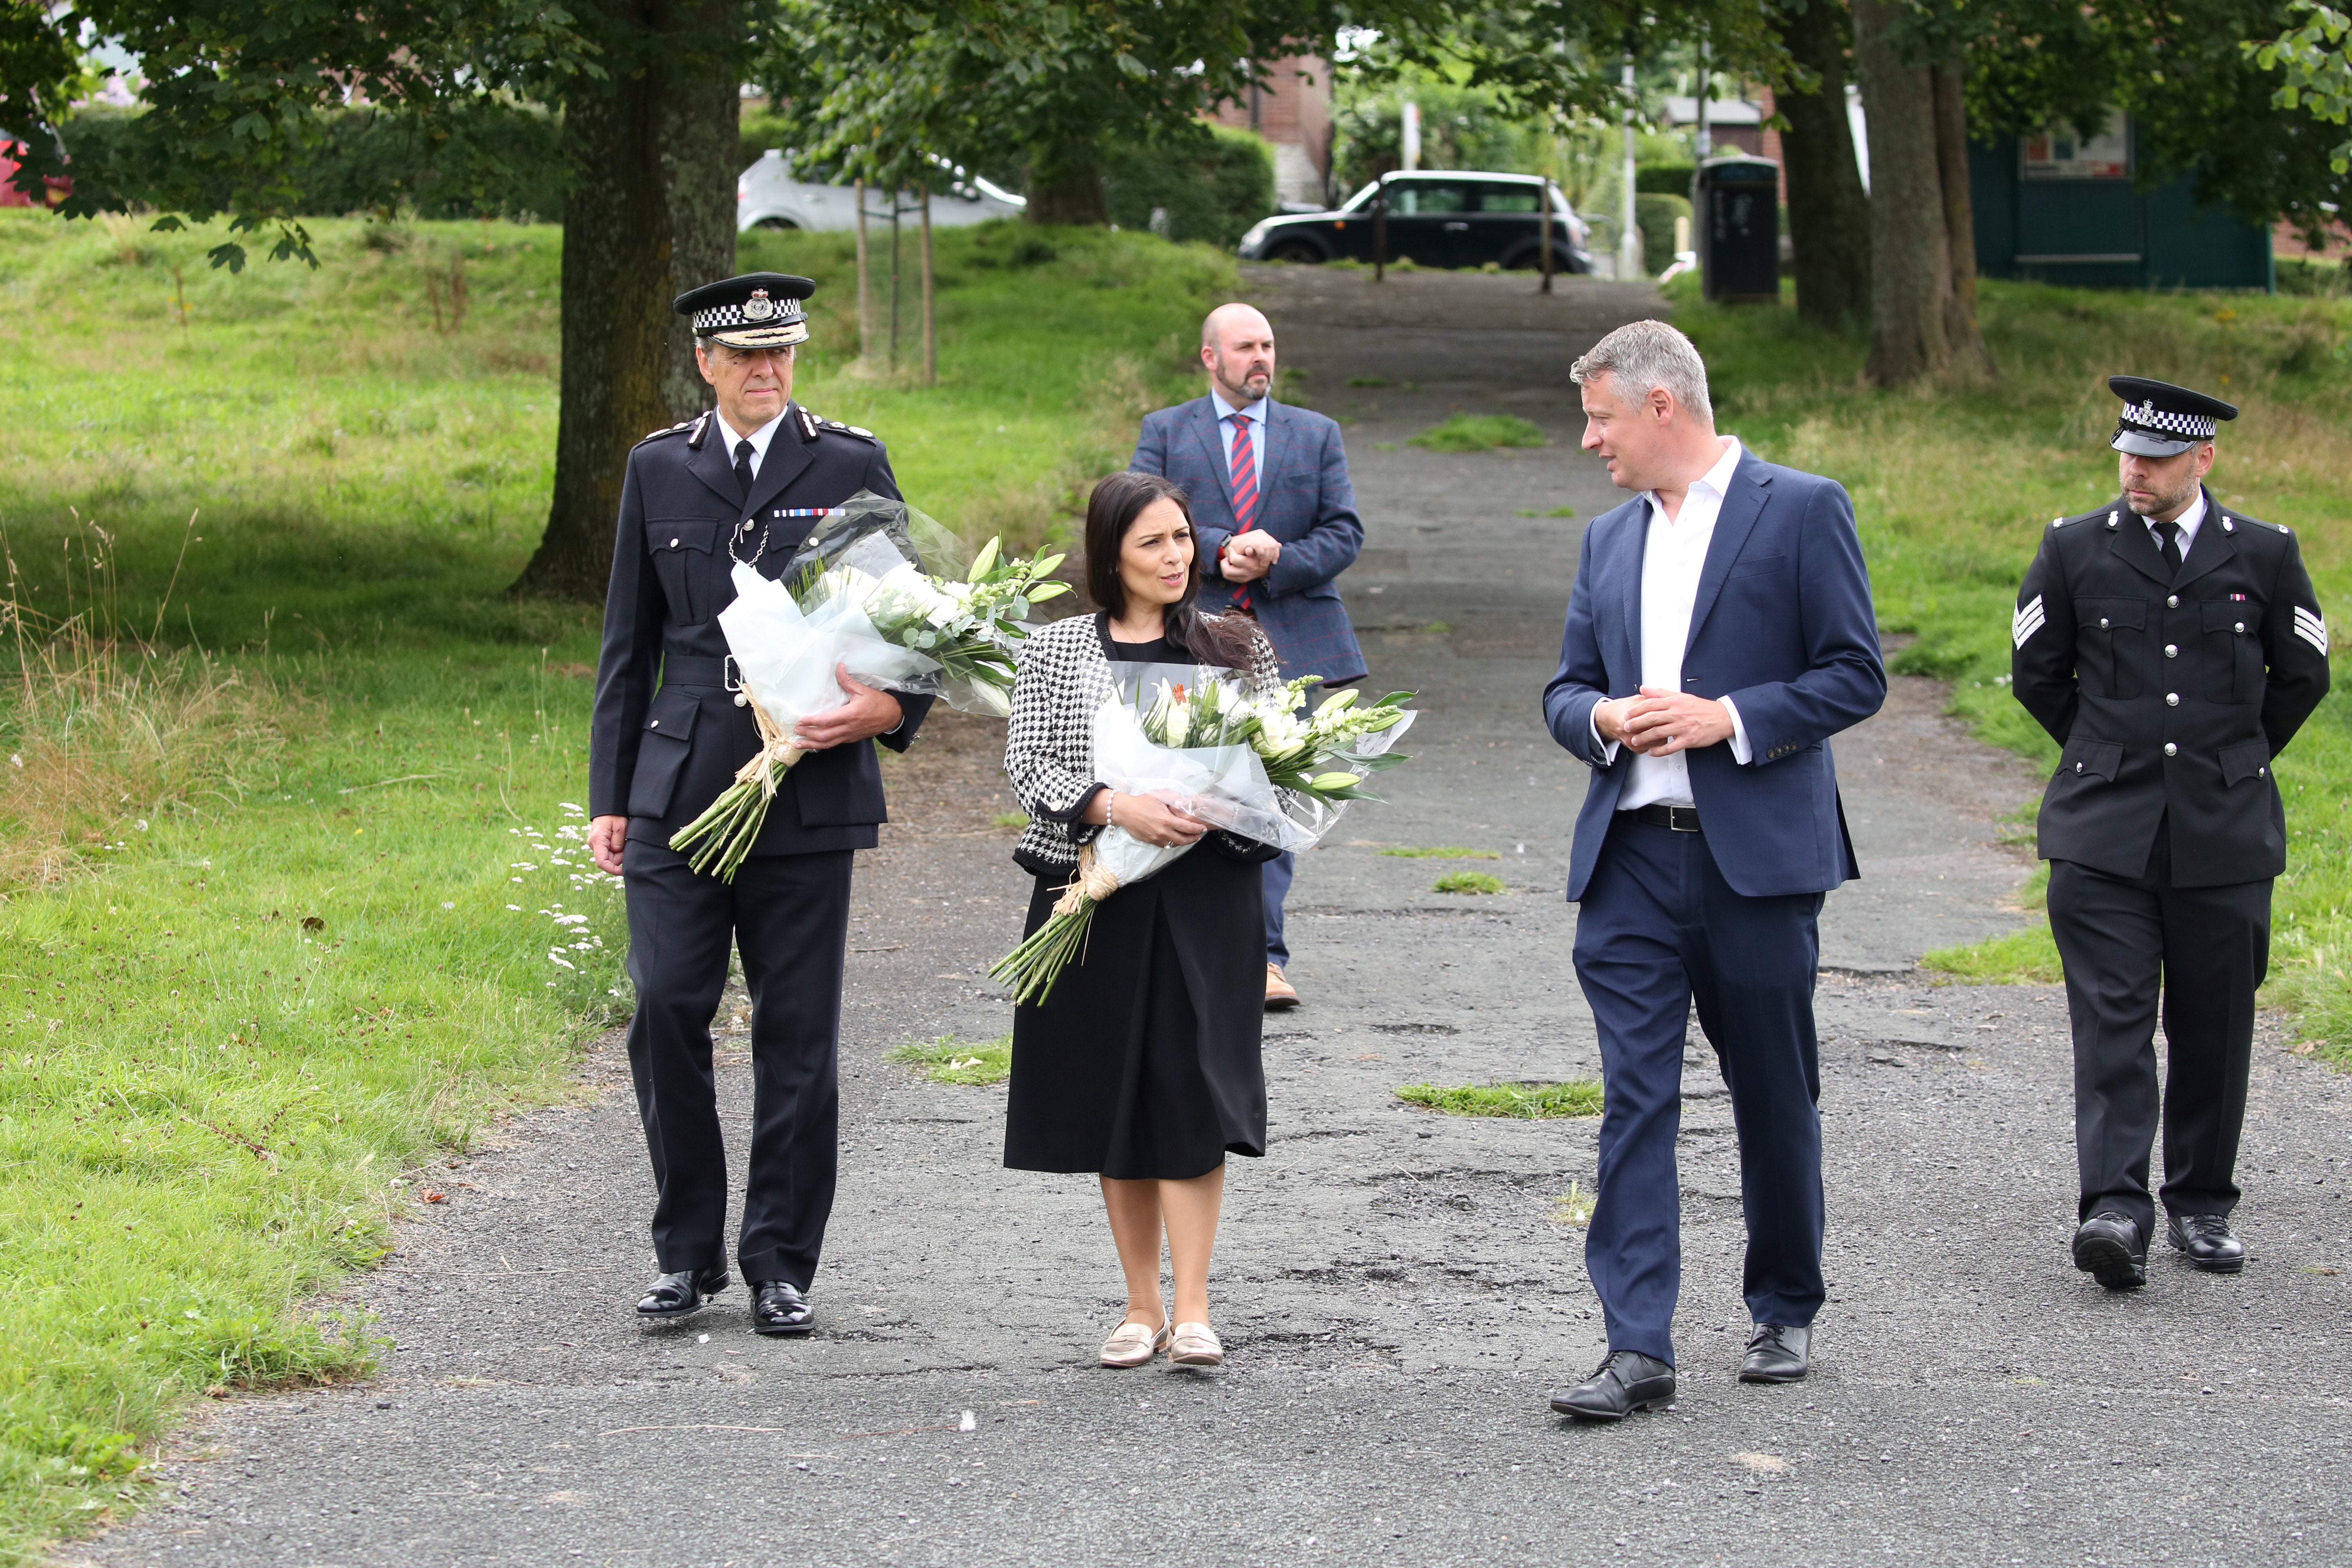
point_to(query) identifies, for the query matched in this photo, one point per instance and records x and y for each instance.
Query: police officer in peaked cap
(2172, 646)
(745, 482)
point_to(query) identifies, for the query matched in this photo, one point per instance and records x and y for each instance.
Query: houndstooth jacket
(1064, 676)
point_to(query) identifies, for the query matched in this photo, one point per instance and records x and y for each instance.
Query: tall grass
(1954, 484)
(103, 726)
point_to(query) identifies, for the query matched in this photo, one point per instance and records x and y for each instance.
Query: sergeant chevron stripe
(2312, 627)
(2027, 622)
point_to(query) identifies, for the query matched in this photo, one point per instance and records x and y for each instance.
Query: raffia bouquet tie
(723, 834)
(1031, 969)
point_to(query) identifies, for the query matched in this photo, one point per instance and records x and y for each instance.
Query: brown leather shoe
(1280, 994)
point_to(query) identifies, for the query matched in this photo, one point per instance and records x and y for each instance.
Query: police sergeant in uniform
(746, 481)
(2172, 646)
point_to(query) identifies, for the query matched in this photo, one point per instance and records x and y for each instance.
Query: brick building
(1292, 110)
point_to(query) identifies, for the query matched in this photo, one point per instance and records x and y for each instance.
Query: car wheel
(1297, 250)
(1529, 258)
(778, 225)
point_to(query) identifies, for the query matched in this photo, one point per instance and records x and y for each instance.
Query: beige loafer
(1134, 1344)
(1281, 996)
(1193, 1344)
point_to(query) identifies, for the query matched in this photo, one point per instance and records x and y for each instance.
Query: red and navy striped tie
(1245, 487)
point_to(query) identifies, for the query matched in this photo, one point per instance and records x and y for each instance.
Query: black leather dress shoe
(778, 1308)
(2208, 1240)
(1776, 1353)
(674, 1296)
(1625, 1382)
(2108, 1247)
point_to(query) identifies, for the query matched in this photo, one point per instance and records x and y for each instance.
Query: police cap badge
(757, 311)
(2160, 419)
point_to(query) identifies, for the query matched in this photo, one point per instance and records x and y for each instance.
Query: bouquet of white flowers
(860, 599)
(1194, 738)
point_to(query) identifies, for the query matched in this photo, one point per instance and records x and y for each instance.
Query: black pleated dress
(1143, 1060)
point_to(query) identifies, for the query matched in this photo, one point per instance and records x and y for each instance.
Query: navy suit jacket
(1305, 500)
(1782, 625)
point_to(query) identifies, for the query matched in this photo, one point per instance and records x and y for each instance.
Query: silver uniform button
(2078, 767)
(741, 700)
(673, 544)
(2103, 623)
(655, 725)
(2170, 750)
(2259, 772)
(2172, 650)
(2172, 602)
(2240, 628)
(2172, 699)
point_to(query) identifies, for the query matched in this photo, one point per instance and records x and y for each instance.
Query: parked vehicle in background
(768, 197)
(12, 157)
(1456, 218)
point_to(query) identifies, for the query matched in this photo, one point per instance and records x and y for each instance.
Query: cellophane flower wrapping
(855, 596)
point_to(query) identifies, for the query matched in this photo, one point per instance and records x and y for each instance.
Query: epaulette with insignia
(2078, 517)
(693, 428)
(815, 422)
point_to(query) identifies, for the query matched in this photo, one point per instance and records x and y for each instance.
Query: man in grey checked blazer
(1274, 520)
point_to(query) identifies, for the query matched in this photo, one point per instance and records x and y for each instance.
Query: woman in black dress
(1142, 1065)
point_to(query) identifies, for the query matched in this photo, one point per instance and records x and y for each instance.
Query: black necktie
(2171, 532)
(744, 467)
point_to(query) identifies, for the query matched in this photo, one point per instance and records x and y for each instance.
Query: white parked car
(767, 196)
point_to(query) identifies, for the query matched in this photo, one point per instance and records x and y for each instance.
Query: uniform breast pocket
(2111, 645)
(682, 551)
(2232, 650)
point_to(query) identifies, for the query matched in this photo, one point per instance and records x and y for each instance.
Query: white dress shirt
(1673, 555)
(758, 439)
(2186, 522)
(1256, 413)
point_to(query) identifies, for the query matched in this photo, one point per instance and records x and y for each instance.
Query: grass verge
(1468, 882)
(293, 901)
(1953, 485)
(1525, 1102)
(951, 1060)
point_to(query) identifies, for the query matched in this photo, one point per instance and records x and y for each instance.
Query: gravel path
(1395, 1288)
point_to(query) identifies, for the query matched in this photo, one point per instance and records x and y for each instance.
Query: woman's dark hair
(1112, 510)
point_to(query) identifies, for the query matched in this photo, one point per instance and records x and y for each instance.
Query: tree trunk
(1066, 186)
(1829, 213)
(650, 214)
(1912, 304)
(1959, 215)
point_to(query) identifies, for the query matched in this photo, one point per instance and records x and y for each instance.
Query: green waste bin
(1738, 237)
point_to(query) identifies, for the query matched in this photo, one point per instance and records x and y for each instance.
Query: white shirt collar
(758, 439)
(1716, 480)
(2186, 522)
(1248, 411)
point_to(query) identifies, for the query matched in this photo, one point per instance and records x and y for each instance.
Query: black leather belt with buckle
(1681, 818)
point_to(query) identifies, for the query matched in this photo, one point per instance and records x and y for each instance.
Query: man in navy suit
(1275, 518)
(1719, 633)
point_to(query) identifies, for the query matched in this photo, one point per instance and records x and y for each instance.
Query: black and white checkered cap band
(727, 318)
(2164, 422)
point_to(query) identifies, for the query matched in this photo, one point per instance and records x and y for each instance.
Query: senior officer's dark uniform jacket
(2170, 692)
(662, 756)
